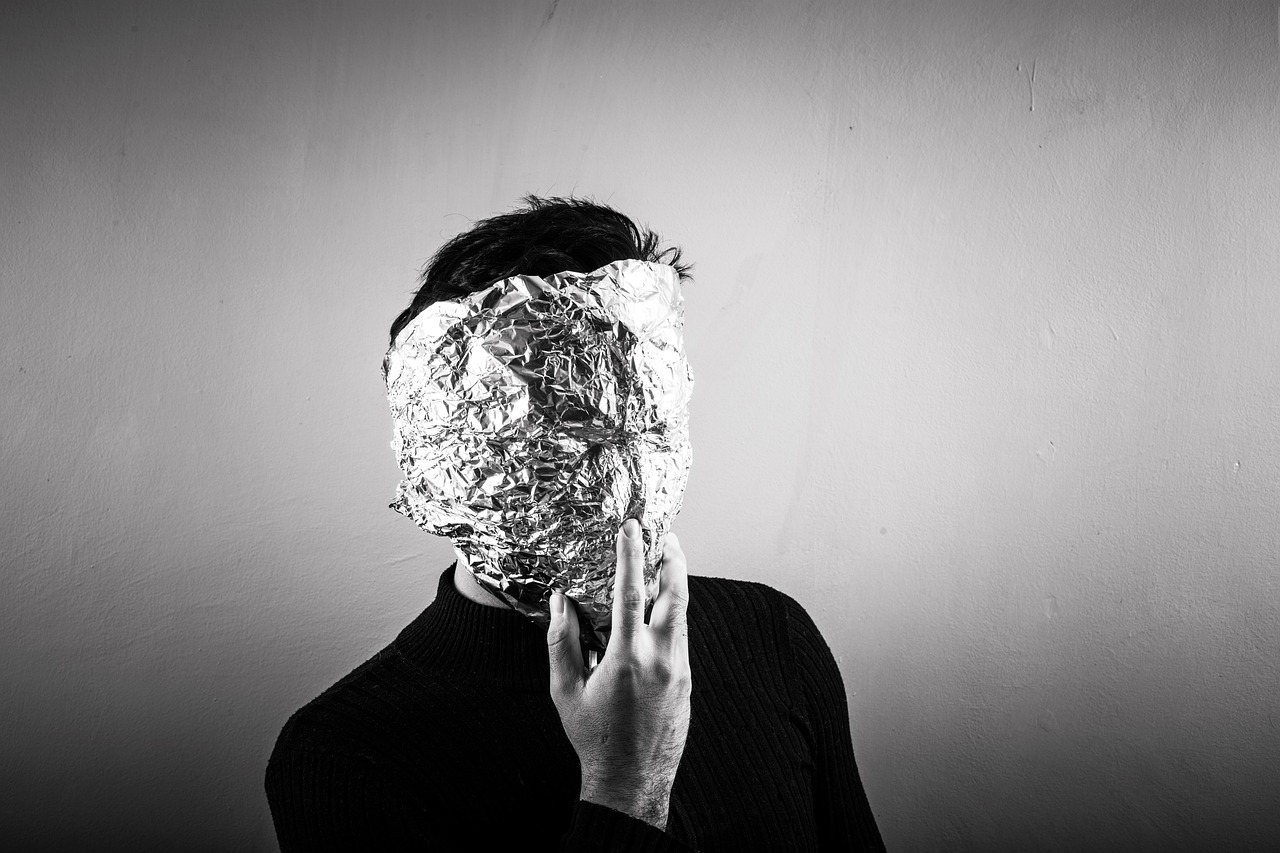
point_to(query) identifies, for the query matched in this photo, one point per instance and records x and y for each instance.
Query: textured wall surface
(987, 335)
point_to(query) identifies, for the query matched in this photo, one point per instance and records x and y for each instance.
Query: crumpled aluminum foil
(533, 417)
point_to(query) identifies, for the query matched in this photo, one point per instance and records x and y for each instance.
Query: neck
(467, 585)
(471, 642)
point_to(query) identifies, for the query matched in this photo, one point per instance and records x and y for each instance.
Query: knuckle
(663, 671)
(557, 639)
(633, 597)
(629, 675)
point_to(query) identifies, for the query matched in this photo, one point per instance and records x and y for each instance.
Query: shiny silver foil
(533, 417)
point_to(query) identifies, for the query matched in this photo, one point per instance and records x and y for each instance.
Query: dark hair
(545, 237)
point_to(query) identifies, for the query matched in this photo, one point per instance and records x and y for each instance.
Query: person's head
(539, 391)
(546, 236)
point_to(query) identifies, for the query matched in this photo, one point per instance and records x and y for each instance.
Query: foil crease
(531, 418)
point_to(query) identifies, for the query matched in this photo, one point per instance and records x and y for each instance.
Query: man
(719, 723)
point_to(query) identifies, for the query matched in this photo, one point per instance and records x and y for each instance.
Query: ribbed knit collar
(471, 643)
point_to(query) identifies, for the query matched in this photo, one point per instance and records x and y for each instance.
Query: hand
(629, 717)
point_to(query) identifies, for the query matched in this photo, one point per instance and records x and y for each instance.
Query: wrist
(650, 806)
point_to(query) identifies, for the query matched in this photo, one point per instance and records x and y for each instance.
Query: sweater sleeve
(323, 801)
(597, 827)
(844, 817)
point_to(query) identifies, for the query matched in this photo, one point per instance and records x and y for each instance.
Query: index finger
(628, 584)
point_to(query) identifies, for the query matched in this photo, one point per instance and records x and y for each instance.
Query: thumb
(563, 653)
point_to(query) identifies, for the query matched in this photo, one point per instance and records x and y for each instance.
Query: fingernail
(557, 605)
(631, 528)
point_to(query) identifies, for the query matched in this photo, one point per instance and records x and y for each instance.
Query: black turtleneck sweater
(447, 739)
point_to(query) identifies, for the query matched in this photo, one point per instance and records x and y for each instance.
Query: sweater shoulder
(331, 721)
(721, 588)
(732, 597)
(757, 623)
(739, 635)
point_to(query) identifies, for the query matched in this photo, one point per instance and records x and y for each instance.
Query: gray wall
(987, 335)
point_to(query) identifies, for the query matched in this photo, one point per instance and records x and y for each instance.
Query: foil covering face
(533, 417)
